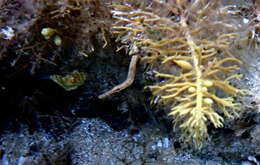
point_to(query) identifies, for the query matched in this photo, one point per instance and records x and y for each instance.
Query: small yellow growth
(70, 81)
(207, 83)
(208, 101)
(50, 33)
(57, 40)
(183, 64)
(204, 89)
(191, 90)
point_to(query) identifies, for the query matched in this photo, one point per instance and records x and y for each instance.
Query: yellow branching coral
(194, 36)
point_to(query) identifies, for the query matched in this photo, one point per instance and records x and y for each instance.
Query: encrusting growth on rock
(194, 37)
(70, 81)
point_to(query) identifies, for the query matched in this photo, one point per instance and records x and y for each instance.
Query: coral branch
(194, 36)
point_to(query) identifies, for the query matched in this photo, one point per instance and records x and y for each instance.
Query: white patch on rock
(7, 33)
